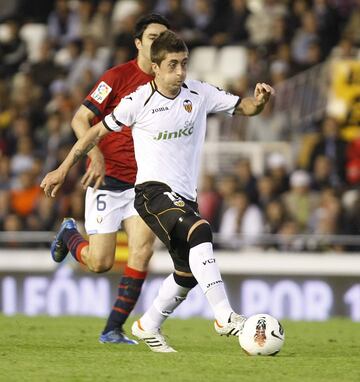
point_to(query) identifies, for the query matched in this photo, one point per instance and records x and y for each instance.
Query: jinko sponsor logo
(166, 135)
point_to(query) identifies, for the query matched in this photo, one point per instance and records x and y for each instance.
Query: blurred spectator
(44, 70)
(23, 159)
(90, 61)
(345, 49)
(326, 217)
(8, 8)
(352, 221)
(265, 191)
(124, 41)
(257, 68)
(4, 206)
(288, 241)
(260, 24)
(44, 215)
(297, 9)
(246, 180)
(353, 163)
(101, 25)
(240, 218)
(226, 186)
(12, 49)
(51, 139)
(67, 56)
(12, 222)
(322, 176)
(202, 16)
(328, 25)
(304, 36)
(76, 203)
(332, 146)
(180, 21)
(275, 217)
(267, 126)
(4, 172)
(352, 28)
(276, 169)
(300, 202)
(235, 30)
(63, 24)
(208, 199)
(25, 198)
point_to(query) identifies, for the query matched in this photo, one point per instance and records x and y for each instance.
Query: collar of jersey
(154, 88)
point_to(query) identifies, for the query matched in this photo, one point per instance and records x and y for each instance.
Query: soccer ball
(262, 334)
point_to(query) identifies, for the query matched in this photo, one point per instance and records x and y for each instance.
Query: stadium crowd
(45, 77)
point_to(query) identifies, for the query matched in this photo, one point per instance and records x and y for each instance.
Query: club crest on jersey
(101, 92)
(187, 105)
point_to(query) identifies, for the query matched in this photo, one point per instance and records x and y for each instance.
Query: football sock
(204, 268)
(75, 243)
(128, 293)
(169, 297)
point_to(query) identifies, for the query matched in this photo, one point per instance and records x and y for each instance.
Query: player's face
(150, 34)
(171, 73)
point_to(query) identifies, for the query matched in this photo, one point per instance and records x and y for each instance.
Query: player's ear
(138, 43)
(155, 67)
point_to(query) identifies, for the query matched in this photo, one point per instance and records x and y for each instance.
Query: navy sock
(128, 294)
(75, 243)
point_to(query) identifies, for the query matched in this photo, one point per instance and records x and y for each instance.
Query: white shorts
(105, 210)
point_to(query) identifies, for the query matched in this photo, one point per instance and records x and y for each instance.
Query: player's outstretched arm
(54, 179)
(254, 105)
(80, 124)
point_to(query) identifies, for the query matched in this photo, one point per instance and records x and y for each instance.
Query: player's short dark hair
(143, 22)
(167, 42)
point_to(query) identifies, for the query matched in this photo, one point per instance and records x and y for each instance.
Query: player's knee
(188, 281)
(200, 234)
(100, 265)
(183, 226)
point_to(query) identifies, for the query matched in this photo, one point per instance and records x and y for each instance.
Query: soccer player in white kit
(168, 121)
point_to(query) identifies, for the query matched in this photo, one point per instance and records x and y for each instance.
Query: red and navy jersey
(117, 148)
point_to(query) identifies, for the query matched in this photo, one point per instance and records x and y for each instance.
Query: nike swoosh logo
(276, 336)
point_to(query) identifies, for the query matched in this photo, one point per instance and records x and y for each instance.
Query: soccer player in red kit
(109, 201)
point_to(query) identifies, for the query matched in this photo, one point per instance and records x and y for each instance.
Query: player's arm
(54, 179)
(254, 105)
(80, 124)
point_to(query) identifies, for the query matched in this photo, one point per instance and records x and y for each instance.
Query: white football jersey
(168, 133)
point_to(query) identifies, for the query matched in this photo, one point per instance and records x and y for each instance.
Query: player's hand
(95, 173)
(263, 92)
(52, 182)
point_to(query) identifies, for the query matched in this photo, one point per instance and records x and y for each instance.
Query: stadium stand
(309, 50)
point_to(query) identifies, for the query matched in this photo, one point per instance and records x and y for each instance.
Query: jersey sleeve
(102, 93)
(124, 113)
(218, 100)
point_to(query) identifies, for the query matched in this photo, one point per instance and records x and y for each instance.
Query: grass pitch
(66, 349)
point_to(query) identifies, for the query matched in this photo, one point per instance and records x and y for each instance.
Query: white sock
(204, 268)
(169, 297)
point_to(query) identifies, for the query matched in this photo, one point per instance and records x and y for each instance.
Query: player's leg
(176, 221)
(102, 220)
(97, 253)
(173, 291)
(202, 263)
(140, 242)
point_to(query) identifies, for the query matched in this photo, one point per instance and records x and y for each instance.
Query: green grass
(66, 349)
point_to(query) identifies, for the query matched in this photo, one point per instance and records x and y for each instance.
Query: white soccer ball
(262, 334)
